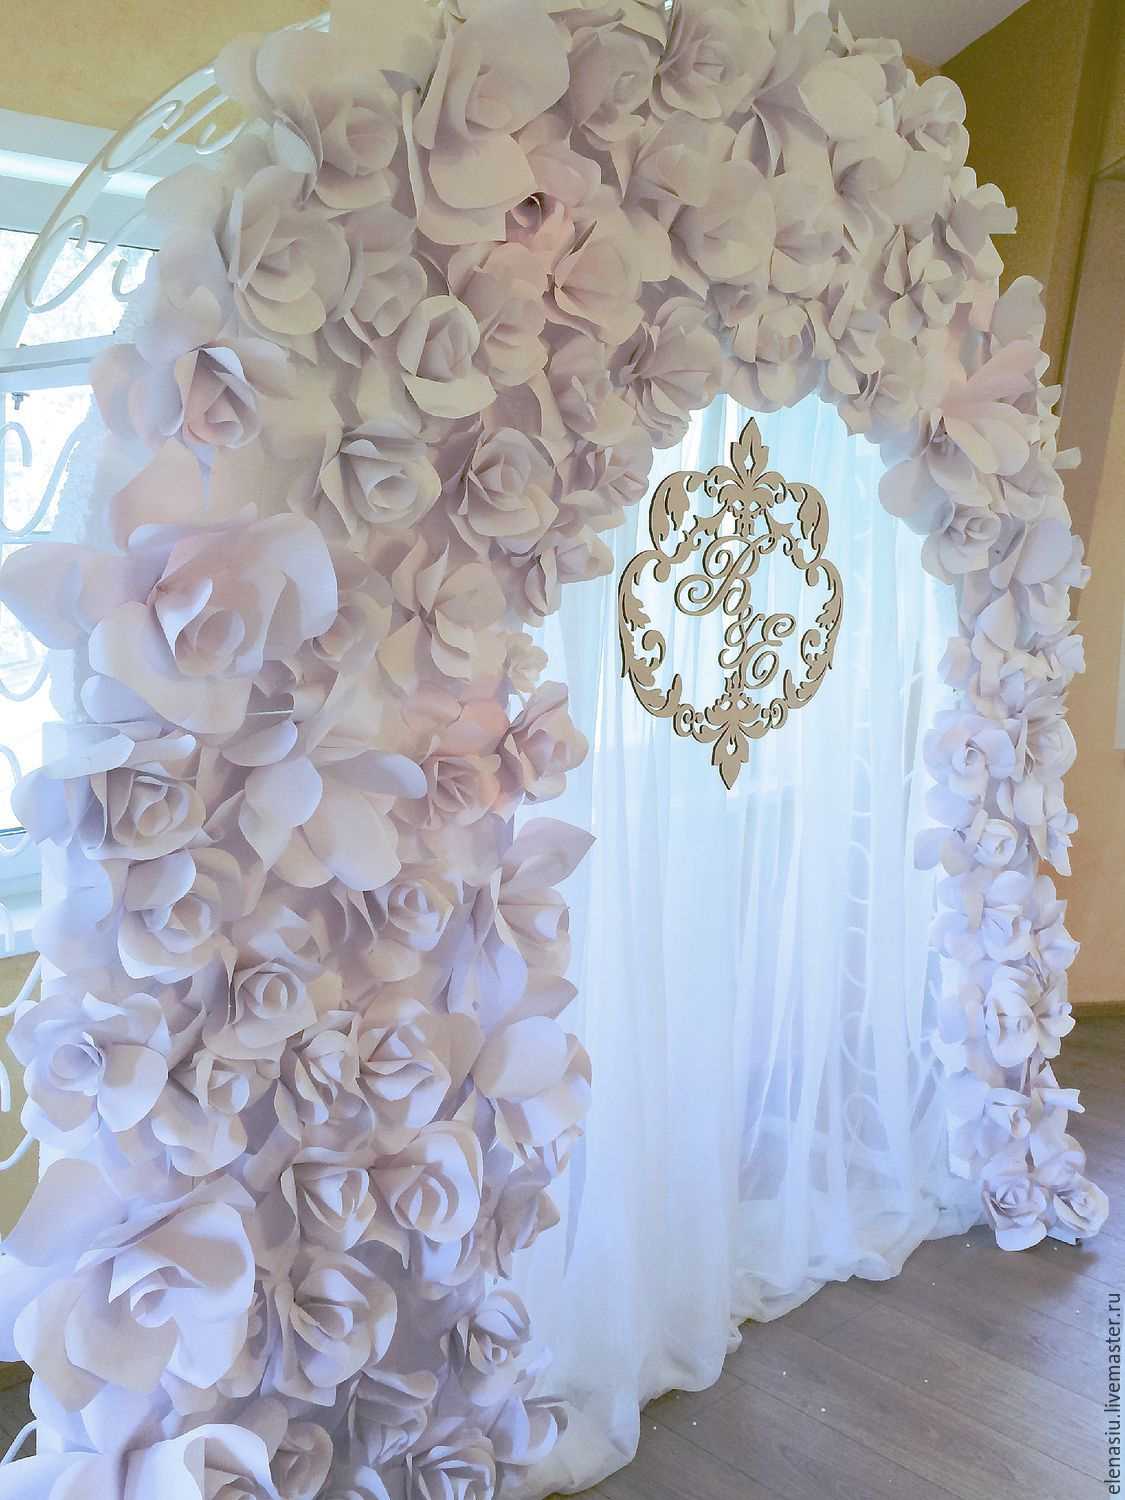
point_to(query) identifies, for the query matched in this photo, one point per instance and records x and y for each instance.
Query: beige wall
(1046, 113)
(1037, 87)
(1094, 418)
(100, 61)
(16, 1185)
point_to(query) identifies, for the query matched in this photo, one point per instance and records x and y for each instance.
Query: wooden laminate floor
(975, 1375)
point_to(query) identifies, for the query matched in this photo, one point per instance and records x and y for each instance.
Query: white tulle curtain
(755, 986)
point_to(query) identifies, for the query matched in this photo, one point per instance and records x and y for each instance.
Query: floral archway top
(404, 355)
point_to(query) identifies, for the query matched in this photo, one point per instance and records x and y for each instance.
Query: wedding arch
(404, 353)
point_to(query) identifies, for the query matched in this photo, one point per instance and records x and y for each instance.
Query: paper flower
(89, 1062)
(489, 1348)
(334, 1315)
(458, 1464)
(139, 1292)
(436, 349)
(500, 69)
(330, 120)
(502, 495)
(542, 745)
(379, 474)
(432, 1187)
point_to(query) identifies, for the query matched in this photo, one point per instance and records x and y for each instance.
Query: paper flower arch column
(406, 351)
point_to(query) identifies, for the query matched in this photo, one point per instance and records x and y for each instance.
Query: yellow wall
(100, 61)
(16, 1185)
(1046, 113)
(1037, 87)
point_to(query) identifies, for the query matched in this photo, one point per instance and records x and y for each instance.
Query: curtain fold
(755, 983)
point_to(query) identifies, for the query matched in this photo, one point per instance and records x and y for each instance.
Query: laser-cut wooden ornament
(746, 527)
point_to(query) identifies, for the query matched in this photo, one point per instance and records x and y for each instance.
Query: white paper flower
(502, 494)
(702, 70)
(503, 287)
(1014, 1203)
(489, 1348)
(454, 606)
(89, 1062)
(669, 368)
(288, 268)
(389, 1415)
(539, 1079)
(458, 1464)
(176, 910)
(214, 1461)
(269, 1002)
(500, 69)
(379, 474)
(437, 350)
(541, 746)
(331, 121)
(335, 1316)
(115, 1294)
(432, 1187)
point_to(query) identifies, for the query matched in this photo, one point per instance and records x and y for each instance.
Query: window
(45, 401)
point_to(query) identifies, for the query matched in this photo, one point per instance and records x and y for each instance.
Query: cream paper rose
(140, 1292)
(503, 495)
(499, 70)
(335, 1316)
(89, 1062)
(340, 135)
(431, 1188)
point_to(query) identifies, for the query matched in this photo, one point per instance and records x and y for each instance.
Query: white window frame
(40, 159)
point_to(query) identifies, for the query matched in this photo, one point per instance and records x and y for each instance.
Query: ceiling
(932, 30)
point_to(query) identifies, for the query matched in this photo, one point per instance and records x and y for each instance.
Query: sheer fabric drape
(754, 979)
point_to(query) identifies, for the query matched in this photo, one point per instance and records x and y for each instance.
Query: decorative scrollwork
(747, 526)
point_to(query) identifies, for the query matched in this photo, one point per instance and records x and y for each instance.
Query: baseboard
(12, 1375)
(1091, 1010)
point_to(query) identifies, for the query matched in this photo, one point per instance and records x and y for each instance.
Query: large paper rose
(409, 916)
(187, 617)
(503, 287)
(611, 76)
(89, 1062)
(703, 67)
(317, 804)
(503, 493)
(188, 379)
(1015, 1204)
(334, 1317)
(523, 1211)
(214, 1461)
(332, 121)
(541, 746)
(670, 367)
(389, 1415)
(269, 1002)
(594, 287)
(379, 474)
(588, 401)
(104, 1292)
(504, 66)
(454, 606)
(437, 351)
(198, 1120)
(489, 1348)
(288, 268)
(122, 794)
(539, 1079)
(458, 1464)
(333, 1204)
(176, 910)
(387, 282)
(432, 1187)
